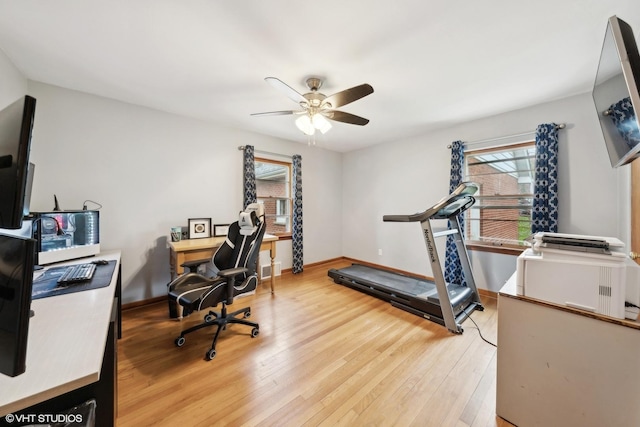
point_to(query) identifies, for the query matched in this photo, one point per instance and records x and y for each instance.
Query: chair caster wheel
(180, 341)
(210, 354)
(247, 314)
(254, 332)
(209, 317)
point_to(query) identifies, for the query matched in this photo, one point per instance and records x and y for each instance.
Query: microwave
(65, 235)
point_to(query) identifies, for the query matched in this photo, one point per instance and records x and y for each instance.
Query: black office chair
(236, 262)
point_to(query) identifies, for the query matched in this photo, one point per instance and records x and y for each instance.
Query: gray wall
(409, 175)
(152, 170)
(12, 83)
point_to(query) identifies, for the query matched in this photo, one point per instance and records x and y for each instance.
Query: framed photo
(220, 230)
(199, 228)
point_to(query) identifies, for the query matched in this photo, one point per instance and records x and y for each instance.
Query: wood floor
(326, 355)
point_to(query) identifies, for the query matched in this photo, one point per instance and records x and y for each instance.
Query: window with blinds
(502, 212)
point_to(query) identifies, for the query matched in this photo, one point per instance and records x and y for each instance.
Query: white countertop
(66, 343)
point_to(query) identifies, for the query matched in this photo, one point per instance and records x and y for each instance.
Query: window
(502, 213)
(273, 188)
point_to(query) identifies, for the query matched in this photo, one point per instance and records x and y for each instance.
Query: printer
(590, 273)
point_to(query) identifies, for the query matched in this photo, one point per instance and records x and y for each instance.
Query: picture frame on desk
(199, 228)
(220, 230)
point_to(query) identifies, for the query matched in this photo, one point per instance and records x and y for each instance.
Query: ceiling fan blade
(348, 95)
(341, 116)
(276, 113)
(286, 89)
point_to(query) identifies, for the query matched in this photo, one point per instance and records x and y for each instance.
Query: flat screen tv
(16, 281)
(16, 125)
(615, 92)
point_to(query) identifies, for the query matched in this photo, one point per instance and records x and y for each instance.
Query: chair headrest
(248, 220)
(258, 208)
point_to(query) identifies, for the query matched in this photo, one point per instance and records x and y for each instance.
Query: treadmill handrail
(463, 191)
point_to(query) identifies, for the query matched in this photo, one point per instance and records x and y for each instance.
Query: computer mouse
(100, 262)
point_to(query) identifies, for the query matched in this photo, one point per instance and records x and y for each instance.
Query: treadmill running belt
(409, 286)
(413, 294)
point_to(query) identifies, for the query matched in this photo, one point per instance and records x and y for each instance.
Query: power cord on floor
(480, 332)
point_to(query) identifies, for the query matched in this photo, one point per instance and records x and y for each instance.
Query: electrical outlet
(380, 252)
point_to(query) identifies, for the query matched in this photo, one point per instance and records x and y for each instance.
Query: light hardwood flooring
(327, 355)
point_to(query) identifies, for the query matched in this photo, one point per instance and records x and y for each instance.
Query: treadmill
(447, 304)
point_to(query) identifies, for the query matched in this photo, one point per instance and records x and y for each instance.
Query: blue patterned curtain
(249, 191)
(452, 267)
(544, 214)
(296, 232)
(624, 117)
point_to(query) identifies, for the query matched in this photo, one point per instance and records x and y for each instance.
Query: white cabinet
(561, 366)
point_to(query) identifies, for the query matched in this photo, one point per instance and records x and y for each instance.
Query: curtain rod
(241, 148)
(558, 126)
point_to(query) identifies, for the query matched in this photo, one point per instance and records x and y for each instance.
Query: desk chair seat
(236, 262)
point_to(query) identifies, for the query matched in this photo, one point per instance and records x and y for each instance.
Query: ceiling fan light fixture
(317, 107)
(305, 125)
(321, 123)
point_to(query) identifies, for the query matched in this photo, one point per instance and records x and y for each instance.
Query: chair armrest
(186, 280)
(230, 275)
(232, 272)
(193, 265)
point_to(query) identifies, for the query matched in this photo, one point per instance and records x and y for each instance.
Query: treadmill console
(454, 204)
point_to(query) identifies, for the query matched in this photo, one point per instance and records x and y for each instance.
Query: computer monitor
(16, 281)
(16, 125)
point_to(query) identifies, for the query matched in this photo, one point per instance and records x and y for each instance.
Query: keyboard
(77, 273)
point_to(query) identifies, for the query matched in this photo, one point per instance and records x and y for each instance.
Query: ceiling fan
(317, 107)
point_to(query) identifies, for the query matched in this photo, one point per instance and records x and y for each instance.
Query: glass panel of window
(505, 175)
(273, 188)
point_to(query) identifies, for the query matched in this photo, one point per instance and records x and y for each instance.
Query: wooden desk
(194, 249)
(71, 353)
(561, 366)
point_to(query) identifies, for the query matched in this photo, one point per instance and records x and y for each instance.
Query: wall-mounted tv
(615, 92)
(16, 125)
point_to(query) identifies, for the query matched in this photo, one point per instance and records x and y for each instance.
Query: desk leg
(172, 264)
(272, 254)
(180, 259)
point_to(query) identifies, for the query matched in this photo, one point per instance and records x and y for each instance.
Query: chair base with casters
(221, 319)
(192, 294)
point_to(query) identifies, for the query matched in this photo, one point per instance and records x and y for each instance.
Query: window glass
(505, 175)
(273, 188)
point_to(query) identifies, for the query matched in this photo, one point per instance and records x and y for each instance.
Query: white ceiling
(431, 63)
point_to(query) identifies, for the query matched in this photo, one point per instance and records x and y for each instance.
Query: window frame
(497, 246)
(283, 235)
